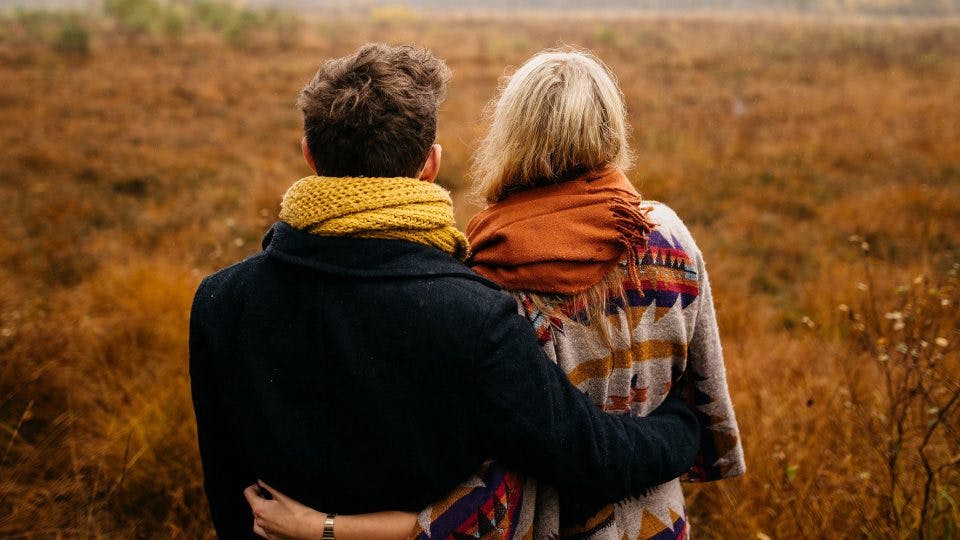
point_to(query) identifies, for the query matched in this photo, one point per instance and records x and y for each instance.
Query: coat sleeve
(529, 416)
(704, 388)
(231, 515)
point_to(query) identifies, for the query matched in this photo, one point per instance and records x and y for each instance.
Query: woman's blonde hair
(558, 116)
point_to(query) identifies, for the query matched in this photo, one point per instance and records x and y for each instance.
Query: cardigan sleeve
(704, 388)
(528, 415)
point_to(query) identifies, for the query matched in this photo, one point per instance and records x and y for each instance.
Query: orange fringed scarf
(563, 238)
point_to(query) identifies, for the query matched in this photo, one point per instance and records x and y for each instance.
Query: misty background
(865, 7)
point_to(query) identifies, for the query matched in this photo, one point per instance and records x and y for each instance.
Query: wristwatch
(328, 527)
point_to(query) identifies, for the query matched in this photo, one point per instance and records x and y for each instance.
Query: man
(356, 365)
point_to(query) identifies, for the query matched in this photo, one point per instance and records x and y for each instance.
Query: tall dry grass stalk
(902, 379)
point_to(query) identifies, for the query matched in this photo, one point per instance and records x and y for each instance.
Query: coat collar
(363, 257)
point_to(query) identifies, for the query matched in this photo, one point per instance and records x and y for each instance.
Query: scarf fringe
(634, 227)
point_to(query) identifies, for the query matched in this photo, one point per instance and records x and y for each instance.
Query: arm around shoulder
(531, 417)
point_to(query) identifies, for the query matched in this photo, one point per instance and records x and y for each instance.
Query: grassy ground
(817, 163)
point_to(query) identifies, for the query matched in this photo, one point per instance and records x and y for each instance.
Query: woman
(615, 287)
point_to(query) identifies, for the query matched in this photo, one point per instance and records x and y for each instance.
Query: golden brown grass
(128, 173)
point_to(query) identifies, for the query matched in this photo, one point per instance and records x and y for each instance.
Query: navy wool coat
(359, 375)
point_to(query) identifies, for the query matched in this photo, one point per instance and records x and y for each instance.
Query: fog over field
(879, 7)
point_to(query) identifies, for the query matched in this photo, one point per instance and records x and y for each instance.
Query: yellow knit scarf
(392, 208)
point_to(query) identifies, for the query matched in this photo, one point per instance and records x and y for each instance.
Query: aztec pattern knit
(660, 333)
(391, 208)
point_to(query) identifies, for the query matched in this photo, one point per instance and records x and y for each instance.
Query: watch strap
(328, 527)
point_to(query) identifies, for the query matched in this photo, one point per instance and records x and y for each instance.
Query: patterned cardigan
(662, 333)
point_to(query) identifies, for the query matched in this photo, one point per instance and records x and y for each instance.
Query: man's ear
(432, 167)
(306, 153)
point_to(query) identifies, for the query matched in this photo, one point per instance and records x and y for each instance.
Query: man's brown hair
(374, 112)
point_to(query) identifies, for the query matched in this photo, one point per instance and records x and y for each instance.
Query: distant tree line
(878, 7)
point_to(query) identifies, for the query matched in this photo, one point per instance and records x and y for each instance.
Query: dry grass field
(817, 163)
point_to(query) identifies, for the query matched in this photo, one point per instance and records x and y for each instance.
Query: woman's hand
(285, 518)
(282, 517)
